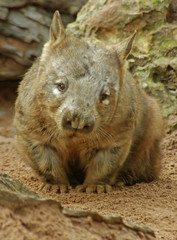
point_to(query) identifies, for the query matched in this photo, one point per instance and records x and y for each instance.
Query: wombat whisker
(107, 136)
(98, 139)
(104, 137)
(93, 140)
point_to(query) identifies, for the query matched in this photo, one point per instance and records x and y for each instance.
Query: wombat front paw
(64, 188)
(57, 188)
(94, 188)
(120, 185)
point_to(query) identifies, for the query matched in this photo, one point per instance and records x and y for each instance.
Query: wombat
(80, 118)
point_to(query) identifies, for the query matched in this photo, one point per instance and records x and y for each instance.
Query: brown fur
(100, 130)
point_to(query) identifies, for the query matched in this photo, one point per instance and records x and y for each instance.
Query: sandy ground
(152, 204)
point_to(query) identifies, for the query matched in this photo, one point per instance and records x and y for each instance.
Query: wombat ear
(123, 50)
(57, 31)
(125, 47)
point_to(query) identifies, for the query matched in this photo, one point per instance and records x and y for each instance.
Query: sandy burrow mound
(27, 215)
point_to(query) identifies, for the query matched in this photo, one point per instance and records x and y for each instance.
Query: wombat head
(78, 81)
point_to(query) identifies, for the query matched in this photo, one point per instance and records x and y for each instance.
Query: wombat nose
(78, 125)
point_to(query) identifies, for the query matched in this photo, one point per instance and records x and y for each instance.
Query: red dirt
(152, 204)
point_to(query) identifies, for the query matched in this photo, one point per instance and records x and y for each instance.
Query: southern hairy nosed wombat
(82, 120)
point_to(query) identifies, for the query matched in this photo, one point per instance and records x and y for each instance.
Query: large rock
(24, 28)
(27, 215)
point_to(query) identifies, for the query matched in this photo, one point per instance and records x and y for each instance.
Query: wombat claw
(94, 188)
(55, 188)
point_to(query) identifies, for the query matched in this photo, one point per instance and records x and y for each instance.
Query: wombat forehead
(82, 71)
(70, 67)
(90, 61)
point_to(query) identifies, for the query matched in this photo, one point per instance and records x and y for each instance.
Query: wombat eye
(104, 97)
(61, 86)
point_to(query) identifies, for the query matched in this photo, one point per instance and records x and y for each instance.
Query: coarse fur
(81, 119)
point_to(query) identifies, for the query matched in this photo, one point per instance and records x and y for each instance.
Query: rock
(32, 216)
(24, 28)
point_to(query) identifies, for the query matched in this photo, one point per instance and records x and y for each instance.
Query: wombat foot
(119, 185)
(57, 188)
(94, 188)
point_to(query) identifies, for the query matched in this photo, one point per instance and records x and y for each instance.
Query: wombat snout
(77, 122)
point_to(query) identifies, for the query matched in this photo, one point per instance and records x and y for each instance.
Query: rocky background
(24, 27)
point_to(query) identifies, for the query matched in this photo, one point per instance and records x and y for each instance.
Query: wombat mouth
(72, 135)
